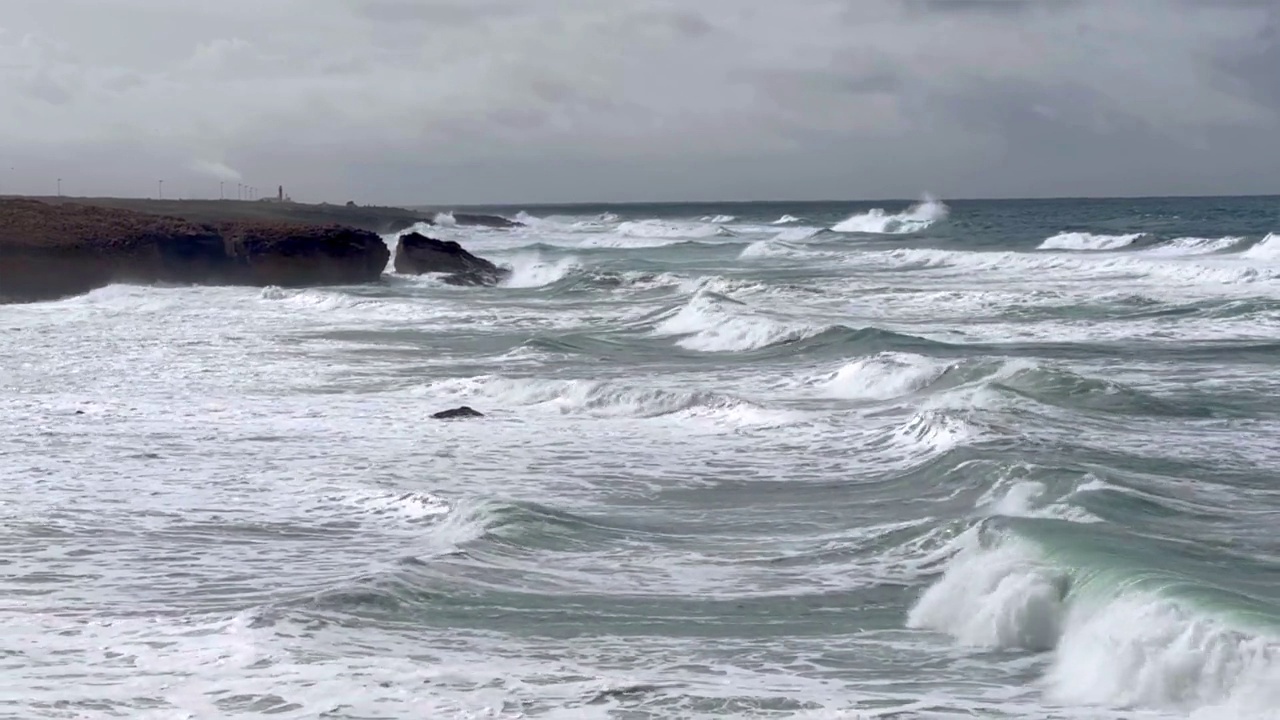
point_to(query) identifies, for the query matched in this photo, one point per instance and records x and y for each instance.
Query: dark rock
(48, 251)
(492, 221)
(418, 254)
(460, 412)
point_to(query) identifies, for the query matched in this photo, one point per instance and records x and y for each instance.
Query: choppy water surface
(997, 459)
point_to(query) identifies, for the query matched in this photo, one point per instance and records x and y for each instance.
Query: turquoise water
(834, 460)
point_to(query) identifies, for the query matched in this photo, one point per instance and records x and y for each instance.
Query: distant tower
(280, 194)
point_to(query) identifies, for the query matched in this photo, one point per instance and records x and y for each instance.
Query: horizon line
(830, 201)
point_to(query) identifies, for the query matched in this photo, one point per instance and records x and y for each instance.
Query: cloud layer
(422, 101)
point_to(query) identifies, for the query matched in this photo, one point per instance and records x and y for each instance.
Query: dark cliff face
(49, 251)
(418, 254)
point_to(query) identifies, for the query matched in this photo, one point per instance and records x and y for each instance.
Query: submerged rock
(49, 251)
(417, 254)
(459, 412)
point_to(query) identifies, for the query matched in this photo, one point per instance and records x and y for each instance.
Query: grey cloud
(561, 100)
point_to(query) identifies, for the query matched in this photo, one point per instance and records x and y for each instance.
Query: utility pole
(221, 195)
(59, 187)
(161, 184)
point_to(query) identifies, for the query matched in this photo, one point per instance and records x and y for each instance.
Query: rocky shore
(51, 250)
(48, 251)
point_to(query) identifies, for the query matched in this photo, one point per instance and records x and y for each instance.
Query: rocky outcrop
(457, 413)
(417, 254)
(49, 251)
(489, 221)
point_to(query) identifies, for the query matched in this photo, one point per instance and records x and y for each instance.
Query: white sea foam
(775, 248)
(880, 377)
(607, 399)
(936, 430)
(530, 271)
(1088, 241)
(995, 598)
(666, 229)
(445, 219)
(1193, 271)
(914, 219)
(1123, 648)
(719, 219)
(786, 219)
(1267, 249)
(1192, 246)
(712, 324)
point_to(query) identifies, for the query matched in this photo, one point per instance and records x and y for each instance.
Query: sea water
(828, 460)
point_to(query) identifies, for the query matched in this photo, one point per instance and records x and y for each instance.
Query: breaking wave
(602, 398)
(1267, 249)
(1193, 246)
(880, 377)
(710, 322)
(670, 229)
(786, 220)
(1088, 241)
(1114, 642)
(1121, 265)
(915, 219)
(530, 271)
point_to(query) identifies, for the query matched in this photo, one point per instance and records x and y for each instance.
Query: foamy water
(933, 459)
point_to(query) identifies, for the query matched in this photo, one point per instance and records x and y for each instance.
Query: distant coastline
(381, 220)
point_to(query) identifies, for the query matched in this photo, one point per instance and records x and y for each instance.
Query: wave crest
(1124, 648)
(915, 219)
(1088, 241)
(603, 398)
(710, 322)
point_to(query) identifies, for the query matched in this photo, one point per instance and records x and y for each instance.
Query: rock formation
(418, 254)
(460, 412)
(49, 251)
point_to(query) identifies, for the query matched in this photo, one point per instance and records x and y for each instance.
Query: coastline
(377, 219)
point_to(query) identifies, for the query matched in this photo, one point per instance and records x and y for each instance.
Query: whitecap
(708, 323)
(915, 219)
(1088, 241)
(1268, 248)
(531, 271)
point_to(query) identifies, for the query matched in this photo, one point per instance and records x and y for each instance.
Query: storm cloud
(444, 101)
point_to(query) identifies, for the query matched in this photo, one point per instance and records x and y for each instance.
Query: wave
(1128, 265)
(786, 220)
(797, 234)
(1193, 246)
(1268, 248)
(719, 219)
(532, 271)
(568, 224)
(1064, 388)
(915, 219)
(444, 219)
(880, 377)
(1119, 645)
(605, 398)
(670, 229)
(710, 322)
(1088, 241)
(769, 248)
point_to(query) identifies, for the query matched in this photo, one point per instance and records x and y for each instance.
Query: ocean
(935, 459)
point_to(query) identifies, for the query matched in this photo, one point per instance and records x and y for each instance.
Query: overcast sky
(478, 101)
